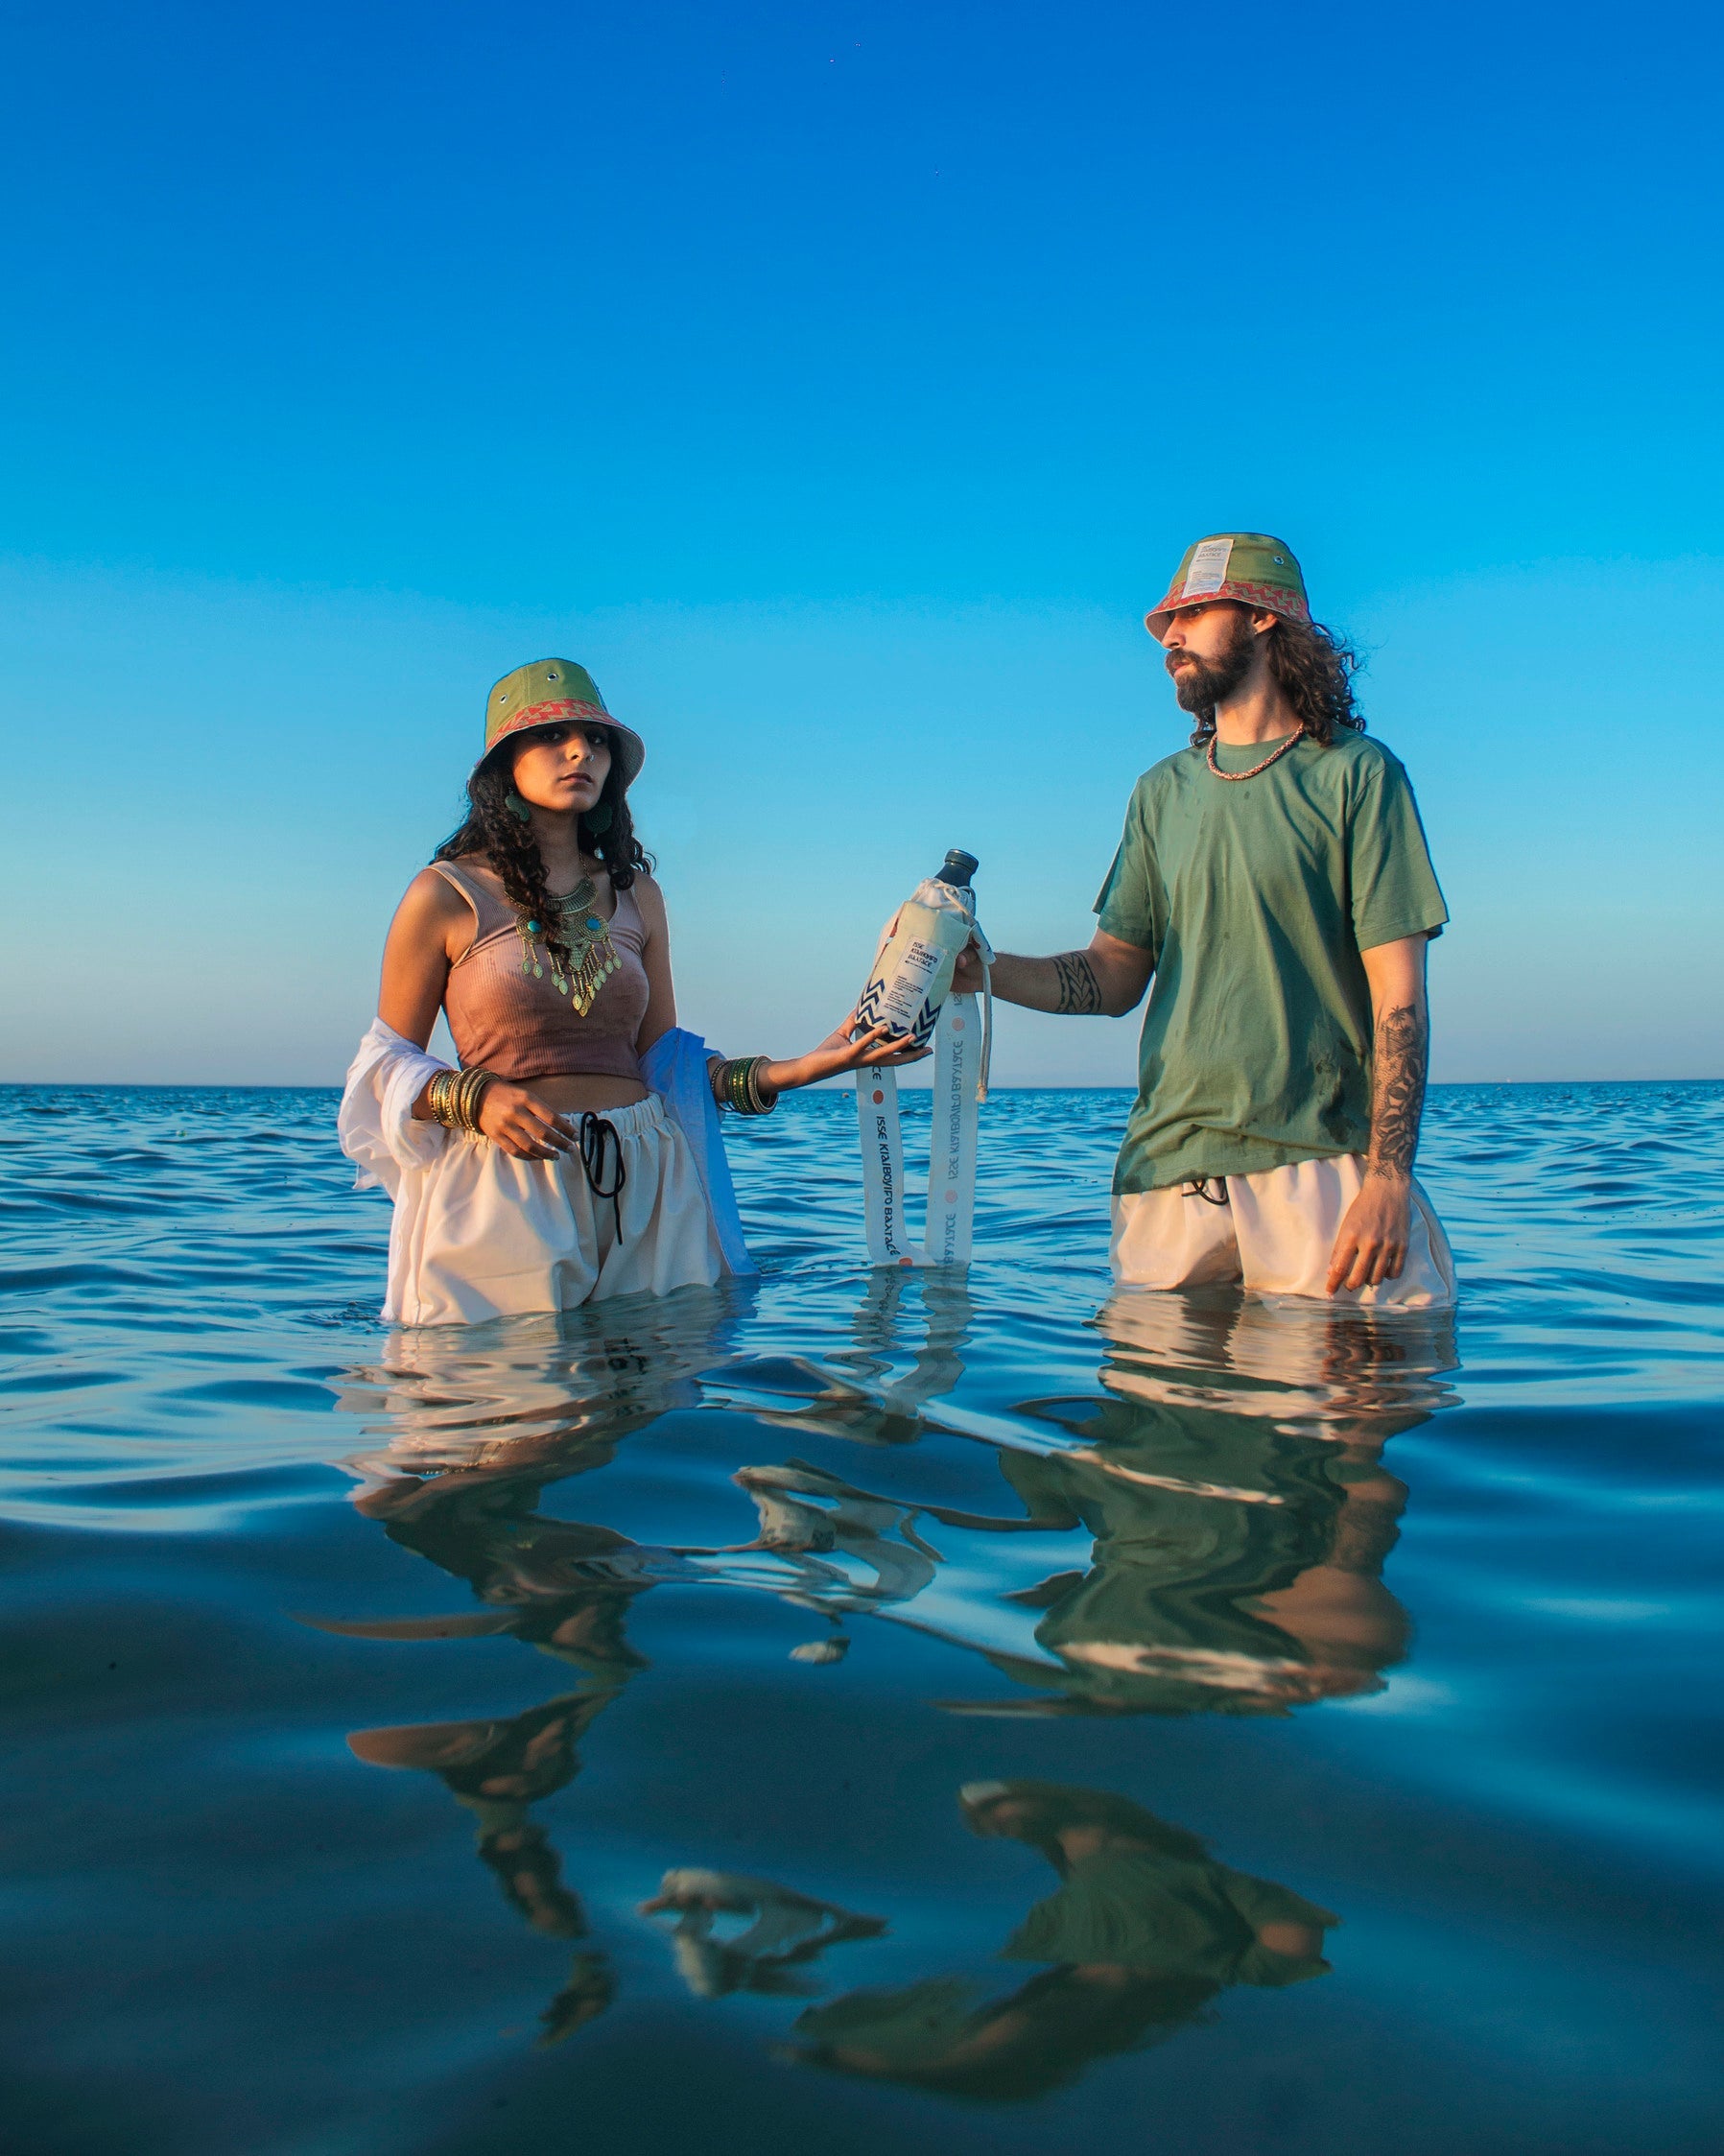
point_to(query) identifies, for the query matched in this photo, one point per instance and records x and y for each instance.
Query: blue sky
(839, 383)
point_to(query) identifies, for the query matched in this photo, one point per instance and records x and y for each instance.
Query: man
(1273, 880)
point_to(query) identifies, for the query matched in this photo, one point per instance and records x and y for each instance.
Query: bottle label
(917, 963)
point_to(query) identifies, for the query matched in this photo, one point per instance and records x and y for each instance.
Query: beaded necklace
(1291, 742)
(586, 933)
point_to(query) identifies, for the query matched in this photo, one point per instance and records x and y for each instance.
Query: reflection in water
(788, 1931)
(1226, 1474)
(1144, 1931)
(497, 1770)
(274, 1945)
(475, 1435)
(1232, 1482)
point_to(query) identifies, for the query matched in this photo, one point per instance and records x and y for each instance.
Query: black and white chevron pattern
(867, 1010)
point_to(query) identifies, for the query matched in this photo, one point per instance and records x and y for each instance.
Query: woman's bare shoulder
(649, 898)
(430, 897)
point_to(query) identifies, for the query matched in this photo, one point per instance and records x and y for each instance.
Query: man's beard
(1208, 683)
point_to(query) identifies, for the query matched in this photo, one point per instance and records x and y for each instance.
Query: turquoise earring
(515, 806)
(598, 818)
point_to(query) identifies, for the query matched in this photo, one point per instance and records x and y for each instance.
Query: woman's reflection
(475, 1431)
(497, 1770)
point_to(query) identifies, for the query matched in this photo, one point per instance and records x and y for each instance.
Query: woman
(576, 1153)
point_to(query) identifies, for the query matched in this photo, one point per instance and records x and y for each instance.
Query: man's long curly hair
(493, 830)
(1313, 669)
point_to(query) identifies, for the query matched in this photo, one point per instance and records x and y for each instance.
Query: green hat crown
(548, 691)
(1250, 567)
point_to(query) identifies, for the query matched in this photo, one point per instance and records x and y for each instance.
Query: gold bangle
(465, 1094)
(482, 1086)
(438, 1100)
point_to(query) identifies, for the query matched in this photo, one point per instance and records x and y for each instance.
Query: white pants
(1275, 1234)
(496, 1237)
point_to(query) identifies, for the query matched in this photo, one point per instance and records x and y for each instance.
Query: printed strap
(958, 1072)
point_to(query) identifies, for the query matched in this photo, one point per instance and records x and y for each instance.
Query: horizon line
(825, 1085)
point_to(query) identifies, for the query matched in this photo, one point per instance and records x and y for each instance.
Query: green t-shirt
(1255, 901)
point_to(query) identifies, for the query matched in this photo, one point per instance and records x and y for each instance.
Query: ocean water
(360, 1688)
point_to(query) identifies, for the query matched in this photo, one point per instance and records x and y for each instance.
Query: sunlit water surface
(362, 1687)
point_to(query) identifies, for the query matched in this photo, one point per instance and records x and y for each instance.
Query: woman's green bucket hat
(1249, 566)
(550, 691)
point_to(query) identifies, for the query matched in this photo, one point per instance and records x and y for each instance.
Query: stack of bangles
(736, 1085)
(453, 1099)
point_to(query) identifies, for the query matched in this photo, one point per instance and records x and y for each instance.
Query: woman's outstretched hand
(838, 1053)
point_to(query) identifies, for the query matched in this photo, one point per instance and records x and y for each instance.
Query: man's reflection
(1144, 1932)
(1232, 1482)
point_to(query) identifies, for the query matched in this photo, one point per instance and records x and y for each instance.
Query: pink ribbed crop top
(519, 1026)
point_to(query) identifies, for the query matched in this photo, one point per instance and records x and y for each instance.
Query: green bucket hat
(1248, 566)
(548, 691)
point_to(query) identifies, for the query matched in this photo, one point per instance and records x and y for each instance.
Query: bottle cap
(960, 867)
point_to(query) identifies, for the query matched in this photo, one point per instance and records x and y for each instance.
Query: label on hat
(1208, 571)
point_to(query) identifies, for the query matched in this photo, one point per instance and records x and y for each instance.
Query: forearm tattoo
(1402, 1053)
(1080, 991)
(1364, 1534)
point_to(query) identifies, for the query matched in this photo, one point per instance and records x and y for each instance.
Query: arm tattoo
(1079, 992)
(1398, 1090)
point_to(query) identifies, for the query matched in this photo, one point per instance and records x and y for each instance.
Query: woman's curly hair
(1313, 669)
(492, 828)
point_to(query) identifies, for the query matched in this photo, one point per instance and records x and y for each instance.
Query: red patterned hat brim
(1273, 599)
(630, 750)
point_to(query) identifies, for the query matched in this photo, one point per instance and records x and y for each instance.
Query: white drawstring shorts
(1274, 1234)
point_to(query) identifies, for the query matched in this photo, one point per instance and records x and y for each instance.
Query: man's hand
(969, 975)
(1371, 1244)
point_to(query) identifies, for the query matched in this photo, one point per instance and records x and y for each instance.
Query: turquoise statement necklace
(583, 932)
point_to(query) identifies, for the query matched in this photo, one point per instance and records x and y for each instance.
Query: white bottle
(911, 974)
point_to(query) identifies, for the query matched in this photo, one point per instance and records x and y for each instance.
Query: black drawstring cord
(1199, 1187)
(595, 1130)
